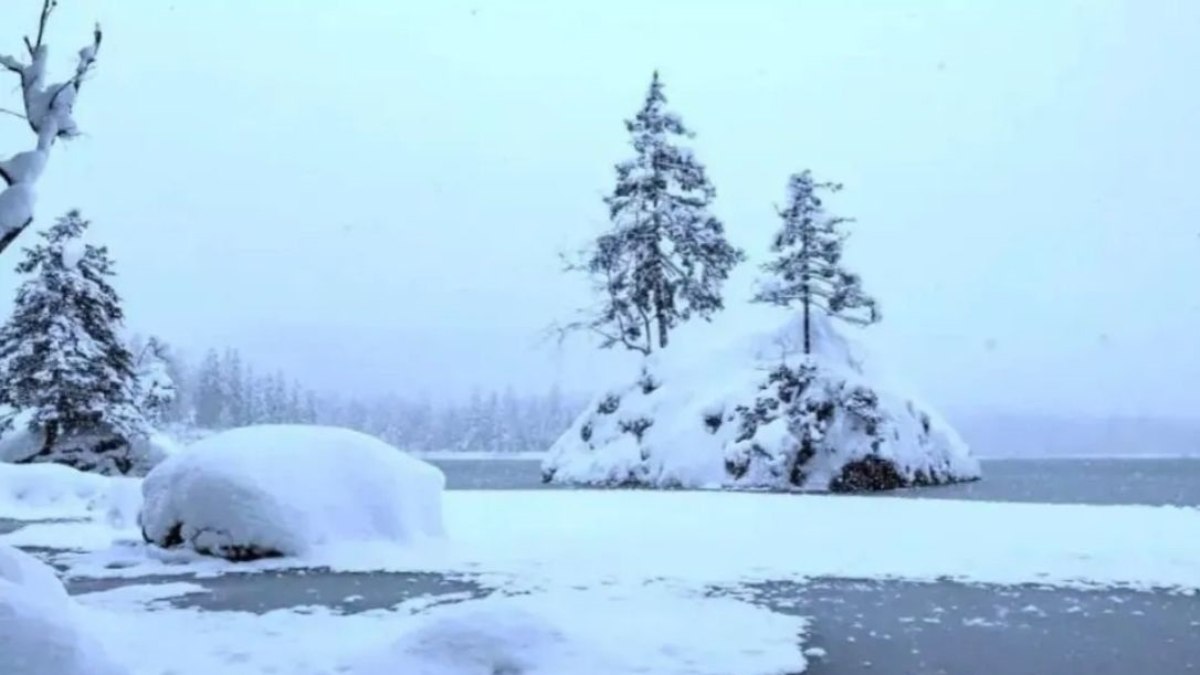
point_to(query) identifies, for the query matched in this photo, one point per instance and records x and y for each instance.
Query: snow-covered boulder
(40, 633)
(758, 413)
(280, 490)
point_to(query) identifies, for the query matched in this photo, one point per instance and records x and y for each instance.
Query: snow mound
(39, 629)
(648, 631)
(52, 491)
(758, 413)
(280, 490)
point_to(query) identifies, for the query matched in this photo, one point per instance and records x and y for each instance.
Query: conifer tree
(63, 363)
(210, 394)
(665, 257)
(157, 390)
(808, 269)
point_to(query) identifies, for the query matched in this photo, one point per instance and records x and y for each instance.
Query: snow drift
(282, 490)
(52, 492)
(40, 633)
(759, 413)
(647, 630)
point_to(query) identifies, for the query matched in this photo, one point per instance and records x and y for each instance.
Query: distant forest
(223, 390)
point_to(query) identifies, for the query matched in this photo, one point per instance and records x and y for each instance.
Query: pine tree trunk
(807, 338)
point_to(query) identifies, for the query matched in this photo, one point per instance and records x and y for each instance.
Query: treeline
(225, 391)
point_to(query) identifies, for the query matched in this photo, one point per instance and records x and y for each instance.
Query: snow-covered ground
(617, 580)
(609, 631)
(52, 491)
(555, 537)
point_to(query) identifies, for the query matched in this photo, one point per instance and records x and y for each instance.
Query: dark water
(346, 592)
(949, 629)
(1056, 481)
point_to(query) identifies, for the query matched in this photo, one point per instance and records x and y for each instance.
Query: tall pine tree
(665, 257)
(157, 390)
(808, 269)
(210, 393)
(63, 363)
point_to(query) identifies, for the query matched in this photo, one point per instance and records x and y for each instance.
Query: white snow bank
(568, 537)
(591, 633)
(40, 633)
(52, 491)
(283, 490)
(755, 412)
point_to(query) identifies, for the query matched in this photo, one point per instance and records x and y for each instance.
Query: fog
(373, 195)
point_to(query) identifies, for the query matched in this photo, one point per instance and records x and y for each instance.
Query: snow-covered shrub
(282, 490)
(39, 631)
(758, 413)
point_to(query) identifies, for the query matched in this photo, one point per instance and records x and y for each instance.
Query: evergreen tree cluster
(665, 256)
(225, 391)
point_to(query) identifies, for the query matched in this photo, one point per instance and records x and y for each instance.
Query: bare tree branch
(47, 7)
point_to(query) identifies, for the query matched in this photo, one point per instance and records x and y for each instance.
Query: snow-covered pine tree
(666, 256)
(210, 394)
(49, 109)
(233, 387)
(808, 269)
(63, 363)
(157, 391)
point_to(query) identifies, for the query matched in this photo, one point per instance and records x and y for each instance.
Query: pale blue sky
(372, 194)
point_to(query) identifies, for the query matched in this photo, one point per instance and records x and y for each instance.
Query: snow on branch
(48, 112)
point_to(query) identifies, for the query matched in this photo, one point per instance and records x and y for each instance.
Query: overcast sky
(372, 195)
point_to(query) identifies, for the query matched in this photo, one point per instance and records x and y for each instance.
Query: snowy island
(758, 413)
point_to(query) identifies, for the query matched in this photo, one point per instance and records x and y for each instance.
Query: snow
(19, 441)
(285, 490)
(599, 630)
(52, 491)
(40, 630)
(645, 630)
(567, 537)
(16, 206)
(682, 422)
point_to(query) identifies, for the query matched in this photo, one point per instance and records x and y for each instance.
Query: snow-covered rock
(40, 633)
(280, 490)
(52, 491)
(646, 630)
(758, 413)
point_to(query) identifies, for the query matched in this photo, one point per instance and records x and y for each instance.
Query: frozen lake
(1055, 481)
(863, 626)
